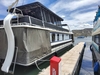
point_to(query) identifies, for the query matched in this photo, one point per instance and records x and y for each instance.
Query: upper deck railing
(27, 20)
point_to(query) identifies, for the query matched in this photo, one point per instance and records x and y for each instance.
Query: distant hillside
(83, 32)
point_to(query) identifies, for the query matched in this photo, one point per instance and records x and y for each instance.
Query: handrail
(18, 10)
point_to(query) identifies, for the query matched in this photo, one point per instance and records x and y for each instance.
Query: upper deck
(36, 14)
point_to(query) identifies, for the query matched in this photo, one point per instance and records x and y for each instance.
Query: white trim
(50, 37)
(59, 42)
(38, 27)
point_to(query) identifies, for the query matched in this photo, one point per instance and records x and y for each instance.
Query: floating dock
(70, 61)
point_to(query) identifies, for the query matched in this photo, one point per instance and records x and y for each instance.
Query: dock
(69, 61)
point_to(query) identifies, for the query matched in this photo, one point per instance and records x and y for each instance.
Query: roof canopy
(28, 9)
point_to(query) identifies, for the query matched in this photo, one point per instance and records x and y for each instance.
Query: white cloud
(84, 17)
(72, 5)
(80, 20)
(80, 3)
(77, 19)
(78, 16)
(75, 24)
(43, 1)
(62, 16)
(6, 3)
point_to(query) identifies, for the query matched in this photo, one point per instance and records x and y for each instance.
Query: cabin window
(62, 36)
(44, 16)
(66, 36)
(35, 13)
(53, 37)
(59, 23)
(70, 36)
(57, 37)
(93, 38)
(97, 39)
(56, 21)
(48, 17)
(52, 20)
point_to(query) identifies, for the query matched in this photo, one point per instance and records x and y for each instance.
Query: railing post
(55, 66)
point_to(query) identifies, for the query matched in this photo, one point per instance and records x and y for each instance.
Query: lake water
(85, 70)
(86, 67)
(88, 40)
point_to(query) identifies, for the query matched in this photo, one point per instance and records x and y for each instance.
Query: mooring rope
(38, 65)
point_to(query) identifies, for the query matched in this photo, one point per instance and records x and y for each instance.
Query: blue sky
(78, 14)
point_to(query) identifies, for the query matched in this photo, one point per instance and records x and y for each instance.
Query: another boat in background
(80, 37)
(95, 47)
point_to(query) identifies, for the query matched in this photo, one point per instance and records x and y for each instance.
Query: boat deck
(68, 60)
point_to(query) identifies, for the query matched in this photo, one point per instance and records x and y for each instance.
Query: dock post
(55, 66)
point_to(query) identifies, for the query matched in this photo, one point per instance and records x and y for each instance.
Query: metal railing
(34, 21)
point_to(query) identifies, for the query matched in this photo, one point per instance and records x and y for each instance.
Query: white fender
(11, 43)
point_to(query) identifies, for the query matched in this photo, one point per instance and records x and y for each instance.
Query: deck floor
(68, 61)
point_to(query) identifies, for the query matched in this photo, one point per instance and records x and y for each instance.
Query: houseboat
(95, 47)
(31, 32)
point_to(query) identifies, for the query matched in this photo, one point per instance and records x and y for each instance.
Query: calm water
(85, 70)
(86, 67)
(88, 40)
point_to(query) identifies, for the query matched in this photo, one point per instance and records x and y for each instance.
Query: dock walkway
(68, 61)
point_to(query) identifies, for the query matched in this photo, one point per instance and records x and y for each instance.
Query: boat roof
(32, 6)
(97, 14)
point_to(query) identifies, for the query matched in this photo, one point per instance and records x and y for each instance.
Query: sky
(78, 14)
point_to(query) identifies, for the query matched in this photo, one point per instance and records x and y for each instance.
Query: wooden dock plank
(68, 61)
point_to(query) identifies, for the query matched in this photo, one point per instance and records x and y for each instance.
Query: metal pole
(42, 17)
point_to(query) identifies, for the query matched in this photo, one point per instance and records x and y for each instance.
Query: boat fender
(84, 44)
(91, 48)
(96, 66)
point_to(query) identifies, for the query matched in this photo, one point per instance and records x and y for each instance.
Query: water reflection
(86, 67)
